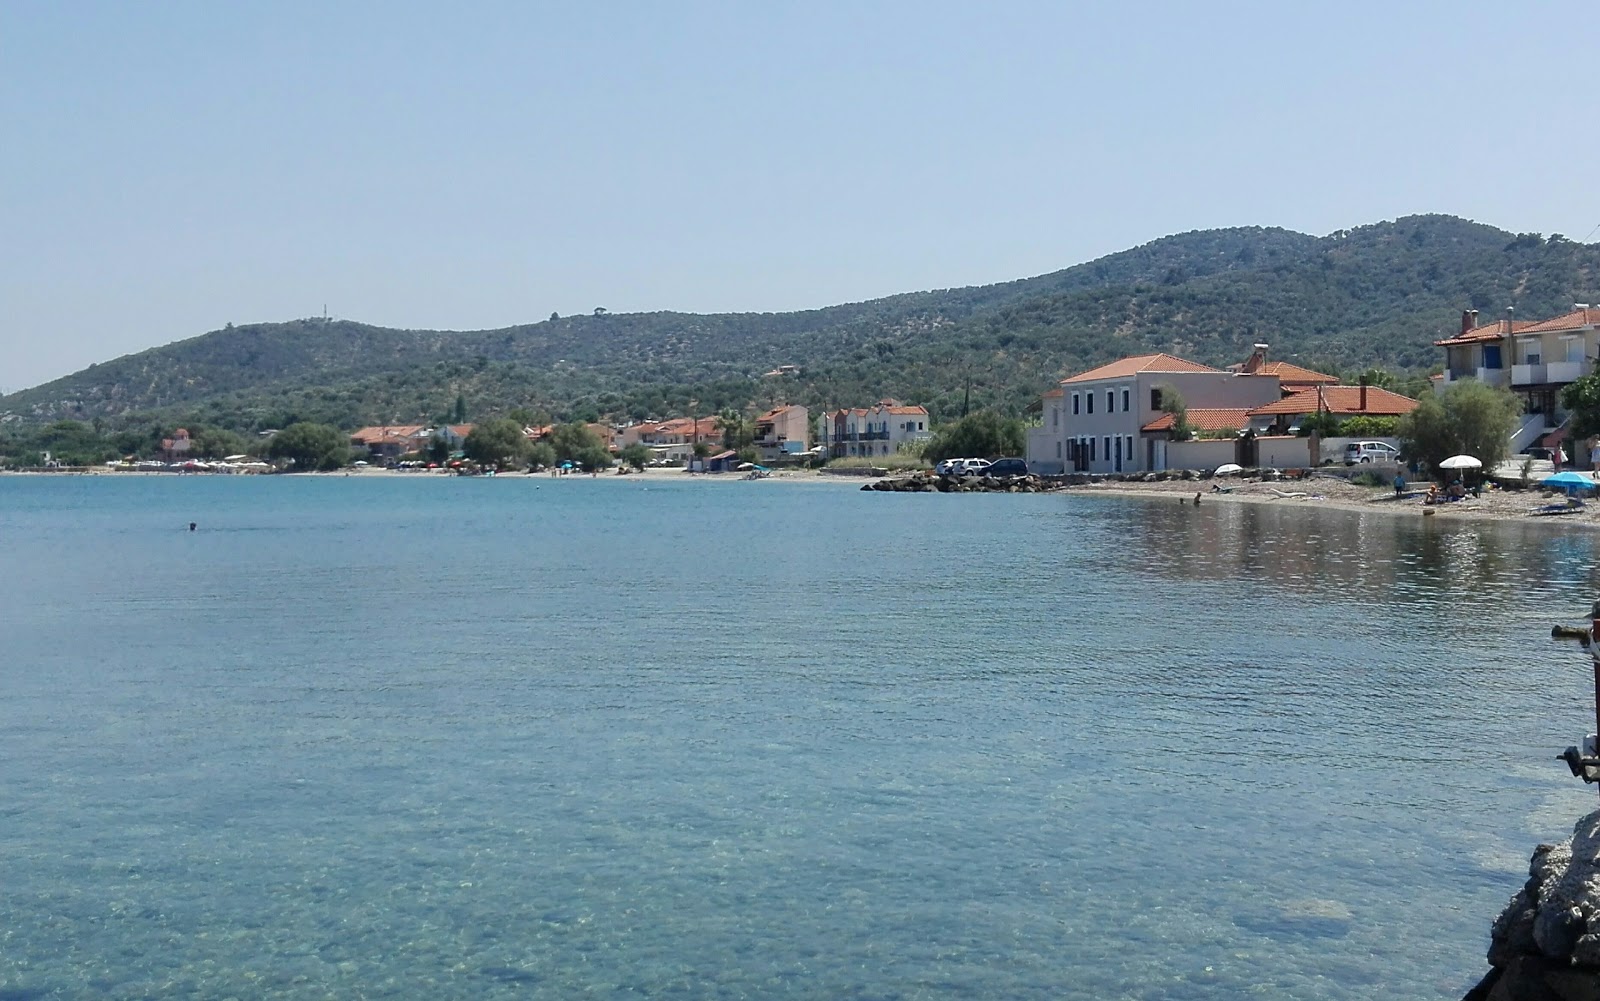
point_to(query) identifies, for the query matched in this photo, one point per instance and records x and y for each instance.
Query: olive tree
(1469, 417)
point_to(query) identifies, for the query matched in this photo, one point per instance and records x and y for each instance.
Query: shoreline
(1329, 493)
(1336, 494)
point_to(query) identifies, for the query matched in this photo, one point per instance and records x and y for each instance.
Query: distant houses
(883, 429)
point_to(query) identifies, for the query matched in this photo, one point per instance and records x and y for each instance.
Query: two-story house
(1098, 423)
(882, 429)
(783, 431)
(1534, 359)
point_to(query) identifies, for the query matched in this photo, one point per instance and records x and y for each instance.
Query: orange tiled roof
(384, 432)
(1055, 394)
(908, 411)
(1340, 400)
(1587, 317)
(1206, 419)
(1126, 367)
(1293, 375)
(1488, 332)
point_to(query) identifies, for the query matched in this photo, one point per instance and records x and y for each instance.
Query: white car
(1370, 451)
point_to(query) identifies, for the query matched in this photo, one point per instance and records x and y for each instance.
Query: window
(1108, 448)
(1074, 403)
(1055, 419)
(1125, 407)
(1088, 402)
(1111, 401)
(1155, 398)
(1058, 450)
(1091, 449)
(1128, 451)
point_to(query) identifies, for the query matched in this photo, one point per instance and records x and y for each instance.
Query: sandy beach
(1337, 493)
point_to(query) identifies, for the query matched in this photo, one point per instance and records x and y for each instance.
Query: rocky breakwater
(1545, 945)
(926, 483)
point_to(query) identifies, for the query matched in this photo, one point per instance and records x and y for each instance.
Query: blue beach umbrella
(1569, 481)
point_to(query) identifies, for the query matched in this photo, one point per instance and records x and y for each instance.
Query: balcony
(1528, 375)
(1491, 376)
(1555, 373)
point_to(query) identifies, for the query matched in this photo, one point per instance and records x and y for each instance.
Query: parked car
(1370, 451)
(948, 467)
(1007, 467)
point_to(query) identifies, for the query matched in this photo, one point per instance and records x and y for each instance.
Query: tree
(599, 311)
(1172, 403)
(977, 435)
(497, 442)
(438, 450)
(311, 446)
(542, 454)
(578, 444)
(215, 443)
(738, 431)
(636, 455)
(1582, 400)
(459, 415)
(1322, 424)
(1469, 417)
(554, 316)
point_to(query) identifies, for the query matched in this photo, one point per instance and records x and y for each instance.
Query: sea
(635, 737)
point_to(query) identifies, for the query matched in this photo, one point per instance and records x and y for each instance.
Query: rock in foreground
(1545, 945)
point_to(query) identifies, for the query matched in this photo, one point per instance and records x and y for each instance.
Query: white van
(1370, 451)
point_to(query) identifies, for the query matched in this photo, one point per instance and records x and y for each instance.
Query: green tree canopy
(542, 454)
(1467, 418)
(636, 455)
(311, 446)
(1172, 403)
(1582, 400)
(984, 434)
(576, 443)
(497, 442)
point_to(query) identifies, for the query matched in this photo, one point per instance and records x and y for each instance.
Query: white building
(1098, 422)
(883, 429)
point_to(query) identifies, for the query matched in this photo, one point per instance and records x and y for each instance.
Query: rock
(1545, 945)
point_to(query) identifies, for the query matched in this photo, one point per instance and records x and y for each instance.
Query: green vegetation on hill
(1376, 296)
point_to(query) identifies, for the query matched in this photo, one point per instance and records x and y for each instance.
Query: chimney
(1364, 381)
(1253, 364)
(1469, 319)
(1506, 326)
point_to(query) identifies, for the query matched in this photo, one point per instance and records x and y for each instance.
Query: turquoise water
(523, 738)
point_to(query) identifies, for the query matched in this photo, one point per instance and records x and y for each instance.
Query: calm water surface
(396, 738)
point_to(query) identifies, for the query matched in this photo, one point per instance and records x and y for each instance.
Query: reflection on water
(518, 739)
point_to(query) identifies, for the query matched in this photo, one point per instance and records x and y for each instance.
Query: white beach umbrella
(1226, 468)
(1461, 462)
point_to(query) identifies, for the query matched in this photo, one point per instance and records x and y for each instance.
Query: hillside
(1376, 295)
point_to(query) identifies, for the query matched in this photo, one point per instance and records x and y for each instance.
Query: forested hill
(1373, 296)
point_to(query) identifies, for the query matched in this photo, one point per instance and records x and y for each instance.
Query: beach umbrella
(1227, 468)
(1569, 481)
(1461, 462)
(741, 467)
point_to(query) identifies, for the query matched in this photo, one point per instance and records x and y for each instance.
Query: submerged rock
(1545, 945)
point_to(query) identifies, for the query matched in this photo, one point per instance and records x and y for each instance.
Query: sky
(170, 167)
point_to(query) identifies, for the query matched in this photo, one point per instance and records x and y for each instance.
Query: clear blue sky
(169, 167)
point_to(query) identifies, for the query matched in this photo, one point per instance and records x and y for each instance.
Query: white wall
(1283, 452)
(1207, 453)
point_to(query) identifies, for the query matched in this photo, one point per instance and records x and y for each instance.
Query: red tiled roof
(908, 411)
(381, 432)
(1293, 375)
(1340, 400)
(1488, 332)
(1587, 317)
(1055, 394)
(1206, 419)
(1141, 363)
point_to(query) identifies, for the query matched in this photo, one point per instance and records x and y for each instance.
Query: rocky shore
(925, 482)
(1545, 946)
